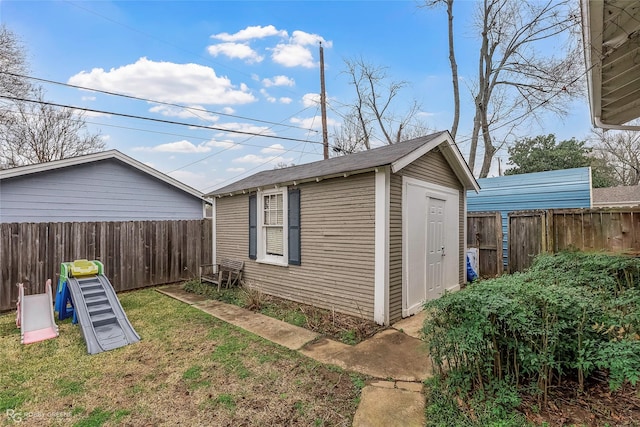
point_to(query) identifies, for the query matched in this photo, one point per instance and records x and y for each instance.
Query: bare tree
(371, 116)
(621, 151)
(31, 131)
(36, 132)
(452, 62)
(508, 60)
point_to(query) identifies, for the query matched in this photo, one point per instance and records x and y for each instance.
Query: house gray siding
(433, 168)
(337, 241)
(105, 190)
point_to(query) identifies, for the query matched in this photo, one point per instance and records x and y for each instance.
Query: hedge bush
(568, 315)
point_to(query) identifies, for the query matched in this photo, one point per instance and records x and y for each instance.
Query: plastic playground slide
(35, 316)
(102, 320)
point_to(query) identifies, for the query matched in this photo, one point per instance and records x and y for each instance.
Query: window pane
(274, 241)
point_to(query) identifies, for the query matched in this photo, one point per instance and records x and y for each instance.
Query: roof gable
(397, 156)
(104, 155)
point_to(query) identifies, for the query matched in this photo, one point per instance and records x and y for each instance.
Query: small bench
(233, 269)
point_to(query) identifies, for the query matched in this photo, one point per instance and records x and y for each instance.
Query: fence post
(550, 232)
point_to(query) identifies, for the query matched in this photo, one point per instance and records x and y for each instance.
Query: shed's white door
(430, 235)
(435, 247)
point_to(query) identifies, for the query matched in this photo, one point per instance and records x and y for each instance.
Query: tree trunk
(454, 72)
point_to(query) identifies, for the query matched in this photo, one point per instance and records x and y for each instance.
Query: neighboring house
(105, 186)
(616, 197)
(372, 234)
(567, 188)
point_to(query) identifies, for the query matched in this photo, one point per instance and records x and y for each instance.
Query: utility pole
(323, 106)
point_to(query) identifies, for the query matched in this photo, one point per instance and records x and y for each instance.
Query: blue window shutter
(253, 227)
(294, 226)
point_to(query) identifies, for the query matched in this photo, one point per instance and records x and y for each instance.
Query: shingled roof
(616, 196)
(354, 163)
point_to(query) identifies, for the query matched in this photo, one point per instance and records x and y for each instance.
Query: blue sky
(245, 63)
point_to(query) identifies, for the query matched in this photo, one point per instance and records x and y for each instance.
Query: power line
(151, 119)
(137, 98)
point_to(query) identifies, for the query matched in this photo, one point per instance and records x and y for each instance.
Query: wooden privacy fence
(484, 231)
(532, 232)
(135, 254)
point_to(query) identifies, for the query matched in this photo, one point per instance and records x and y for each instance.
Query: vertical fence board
(484, 232)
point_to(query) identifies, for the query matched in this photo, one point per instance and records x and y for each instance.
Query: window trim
(261, 239)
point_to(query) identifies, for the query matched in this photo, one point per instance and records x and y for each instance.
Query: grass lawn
(189, 369)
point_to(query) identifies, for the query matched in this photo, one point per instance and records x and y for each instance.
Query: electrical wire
(164, 121)
(137, 98)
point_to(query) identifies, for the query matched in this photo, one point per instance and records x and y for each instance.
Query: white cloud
(91, 113)
(285, 100)
(292, 55)
(236, 170)
(244, 127)
(313, 122)
(223, 144)
(272, 149)
(425, 114)
(278, 81)
(310, 99)
(308, 39)
(250, 33)
(266, 95)
(88, 98)
(295, 52)
(192, 112)
(195, 180)
(167, 82)
(235, 51)
(228, 110)
(255, 159)
(183, 146)
(105, 138)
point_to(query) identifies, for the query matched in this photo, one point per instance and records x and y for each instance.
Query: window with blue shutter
(253, 227)
(294, 226)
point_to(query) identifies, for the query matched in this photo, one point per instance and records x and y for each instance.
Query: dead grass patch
(189, 369)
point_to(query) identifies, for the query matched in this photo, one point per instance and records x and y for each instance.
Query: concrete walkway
(395, 357)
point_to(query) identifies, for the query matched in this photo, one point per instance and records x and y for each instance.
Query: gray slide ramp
(102, 320)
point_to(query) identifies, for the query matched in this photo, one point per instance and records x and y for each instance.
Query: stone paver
(290, 336)
(385, 407)
(412, 325)
(416, 387)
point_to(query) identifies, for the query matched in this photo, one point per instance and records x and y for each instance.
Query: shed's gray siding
(559, 189)
(433, 168)
(105, 190)
(337, 241)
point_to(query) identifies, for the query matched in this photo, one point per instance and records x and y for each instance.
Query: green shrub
(569, 314)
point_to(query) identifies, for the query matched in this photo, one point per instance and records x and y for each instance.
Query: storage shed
(105, 186)
(371, 234)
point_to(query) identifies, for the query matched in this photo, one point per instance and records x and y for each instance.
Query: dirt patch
(596, 406)
(338, 326)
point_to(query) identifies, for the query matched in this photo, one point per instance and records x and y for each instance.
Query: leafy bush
(569, 314)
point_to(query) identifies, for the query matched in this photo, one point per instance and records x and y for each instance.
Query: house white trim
(214, 233)
(381, 263)
(261, 255)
